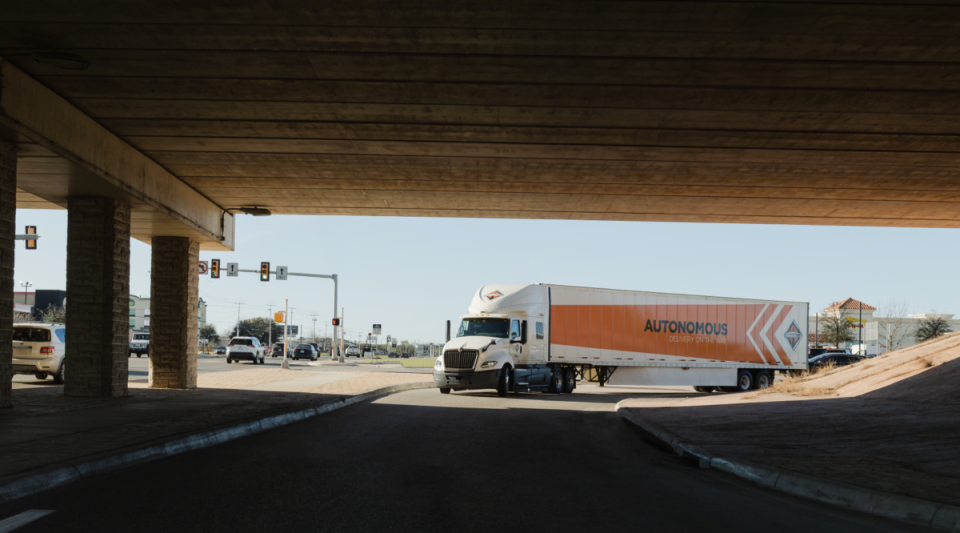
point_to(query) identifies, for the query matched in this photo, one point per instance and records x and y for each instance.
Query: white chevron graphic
(750, 333)
(766, 327)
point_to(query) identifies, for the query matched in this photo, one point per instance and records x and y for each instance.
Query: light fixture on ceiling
(61, 60)
(256, 211)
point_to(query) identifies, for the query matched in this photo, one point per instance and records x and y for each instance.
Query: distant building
(880, 334)
(140, 314)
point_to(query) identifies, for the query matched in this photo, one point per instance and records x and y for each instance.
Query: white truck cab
(502, 344)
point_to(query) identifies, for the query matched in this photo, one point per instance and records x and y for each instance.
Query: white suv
(247, 348)
(38, 349)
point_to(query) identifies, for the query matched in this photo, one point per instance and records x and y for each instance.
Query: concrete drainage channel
(64, 473)
(938, 516)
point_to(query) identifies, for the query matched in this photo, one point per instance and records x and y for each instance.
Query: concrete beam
(95, 162)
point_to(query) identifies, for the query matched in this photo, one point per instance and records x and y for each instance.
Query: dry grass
(797, 385)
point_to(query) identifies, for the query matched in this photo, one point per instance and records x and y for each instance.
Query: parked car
(140, 344)
(352, 351)
(394, 355)
(246, 349)
(39, 349)
(221, 350)
(839, 359)
(813, 352)
(305, 351)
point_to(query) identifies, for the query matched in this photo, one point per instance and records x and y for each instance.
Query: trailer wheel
(705, 389)
(556, 381)
(744, 381)
(444, 390)
(764, 379)
(569, 380)
(503, 386)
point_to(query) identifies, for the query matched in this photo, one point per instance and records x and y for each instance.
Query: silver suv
(140, 344)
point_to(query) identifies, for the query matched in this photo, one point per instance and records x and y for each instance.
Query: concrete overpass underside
(762, 112)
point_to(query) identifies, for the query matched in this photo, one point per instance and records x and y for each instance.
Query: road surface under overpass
(745, 112)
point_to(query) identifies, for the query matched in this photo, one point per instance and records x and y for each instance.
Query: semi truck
(543, 337)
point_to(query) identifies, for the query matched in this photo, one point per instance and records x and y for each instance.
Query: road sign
(203, 268)
(376, 329)
(293, 331)
(264, 271)
(215, 269)
(233, 270)
(388, 339)
(281, 273)
(394, 343)
(204, 341)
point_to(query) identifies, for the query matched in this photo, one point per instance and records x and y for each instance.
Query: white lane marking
(22, 519)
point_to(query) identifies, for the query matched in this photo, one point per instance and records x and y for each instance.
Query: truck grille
(458, 359)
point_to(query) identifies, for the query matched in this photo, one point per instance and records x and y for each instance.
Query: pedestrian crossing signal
(278, 317)
(336, 321)
(264, 271)
(215, 269)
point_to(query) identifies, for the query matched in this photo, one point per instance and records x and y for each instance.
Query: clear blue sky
(412, 274)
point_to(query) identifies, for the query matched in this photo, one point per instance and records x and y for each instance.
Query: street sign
(215, 269)
(203, 268)
(204, 341)
(281, 273)
(264, 271)
(394, 344)
(376, 329)
(293, 331)
(233, 270)
(388, 339)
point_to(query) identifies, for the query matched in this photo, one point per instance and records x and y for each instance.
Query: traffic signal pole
(336, 283)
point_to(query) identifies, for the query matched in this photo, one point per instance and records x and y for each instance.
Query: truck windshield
(485, 327)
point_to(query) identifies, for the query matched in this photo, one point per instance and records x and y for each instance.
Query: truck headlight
(488, 364)
(438, 365)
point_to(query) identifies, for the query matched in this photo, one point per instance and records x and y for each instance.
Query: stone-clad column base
(98, 297)
(8, 213)
(174, 308)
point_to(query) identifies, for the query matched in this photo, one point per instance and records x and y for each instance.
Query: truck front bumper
(487, 379)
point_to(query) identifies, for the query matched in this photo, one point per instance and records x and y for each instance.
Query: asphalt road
(139, 367)
(422, 461)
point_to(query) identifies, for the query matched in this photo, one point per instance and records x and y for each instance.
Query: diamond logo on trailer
(793, 335)
(493, 295)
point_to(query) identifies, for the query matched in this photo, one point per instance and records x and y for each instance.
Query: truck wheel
(556, 381)
(764, 379)
(444, 390)
(139, 354)
(703, 389)
(503, 387)
(229, 361)
(744, 381)
(569, 380)
(40, 375)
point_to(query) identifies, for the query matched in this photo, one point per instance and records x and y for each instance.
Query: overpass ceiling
(775, 112)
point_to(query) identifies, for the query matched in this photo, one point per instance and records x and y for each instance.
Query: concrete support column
(98, 293)
(174, 306)
(8, 212)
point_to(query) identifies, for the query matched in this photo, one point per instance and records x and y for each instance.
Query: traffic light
(336, 321)
(31, 243)
(264, 271)
(214, 269)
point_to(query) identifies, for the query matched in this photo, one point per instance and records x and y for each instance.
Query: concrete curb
(62, 473)
(938, 516)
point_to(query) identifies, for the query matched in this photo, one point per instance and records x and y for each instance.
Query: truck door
(516, 346)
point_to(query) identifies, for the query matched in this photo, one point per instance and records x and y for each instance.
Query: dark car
(305, 351)
(838, 359)
(278, 350)
(813, 352)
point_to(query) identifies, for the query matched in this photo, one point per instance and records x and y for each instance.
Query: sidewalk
(890, 425)
(45, 429)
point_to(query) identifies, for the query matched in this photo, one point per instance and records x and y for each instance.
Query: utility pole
(238, 320)
(286, 320)
(314, 326)
(341, 333)
(270, 327)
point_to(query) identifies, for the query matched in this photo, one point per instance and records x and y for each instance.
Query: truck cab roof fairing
(526, 299)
